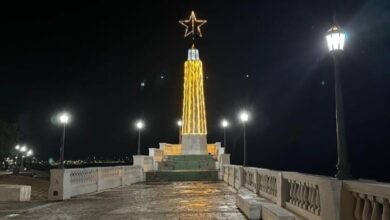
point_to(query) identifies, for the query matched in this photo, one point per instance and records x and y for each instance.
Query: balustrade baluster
(305, 196)
(291, 191)
(300, 195)
(367, 210)
(268, 184)
(376, 212)
(297, 193)
(311, 201)
(317, 201)
(386, 210)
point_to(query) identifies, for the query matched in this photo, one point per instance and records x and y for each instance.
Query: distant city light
(30, 153)
(247, 75)
(143, 84)
(162, 77)
(17, 147)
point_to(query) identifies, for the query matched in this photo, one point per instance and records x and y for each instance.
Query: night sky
(89, 59)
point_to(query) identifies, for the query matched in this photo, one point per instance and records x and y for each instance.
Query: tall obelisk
(194, 127)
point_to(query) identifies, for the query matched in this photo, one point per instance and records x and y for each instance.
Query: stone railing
(367, 200)
(268, 184)
(250, 179)
(314, 197)
(66, 183)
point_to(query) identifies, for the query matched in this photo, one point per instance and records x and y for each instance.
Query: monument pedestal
(193, 144)
(184, 168)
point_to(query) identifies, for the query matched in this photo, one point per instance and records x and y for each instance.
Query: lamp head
(244, 116)
(179, 123)
(64, 118)
(224, 123)
(23, 148)
(335, 38)
(139, 124)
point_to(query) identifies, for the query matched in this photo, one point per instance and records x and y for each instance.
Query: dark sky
(89, 58)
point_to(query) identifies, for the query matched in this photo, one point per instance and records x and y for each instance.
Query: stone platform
(174, 200)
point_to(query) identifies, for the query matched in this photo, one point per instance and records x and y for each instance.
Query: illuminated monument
(194, 127)
(192, 159)
(194, 130)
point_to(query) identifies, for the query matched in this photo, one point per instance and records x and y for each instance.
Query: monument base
(184, 168)
(194, 144)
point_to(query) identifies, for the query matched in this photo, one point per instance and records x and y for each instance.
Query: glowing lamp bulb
(244, 116)
(335, 38)
(23, 149)
(139, 125)
(224, 123)
(179, 123)
(64, 118)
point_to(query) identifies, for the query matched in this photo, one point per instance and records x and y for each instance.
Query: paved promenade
(176, 200)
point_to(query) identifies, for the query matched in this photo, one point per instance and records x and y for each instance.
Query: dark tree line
(9, 136)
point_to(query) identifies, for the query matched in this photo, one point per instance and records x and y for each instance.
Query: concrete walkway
(176, 200)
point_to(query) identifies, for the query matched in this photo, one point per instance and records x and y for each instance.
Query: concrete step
(189, 158)
(186, 165)
(181, 175)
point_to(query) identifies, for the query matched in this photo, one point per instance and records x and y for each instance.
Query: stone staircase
(187, 162)
(184, 168)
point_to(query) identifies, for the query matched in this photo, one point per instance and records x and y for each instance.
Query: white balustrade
(370, 200)
(238, 177)
(268, 184)
(66, 183)
(250, 179)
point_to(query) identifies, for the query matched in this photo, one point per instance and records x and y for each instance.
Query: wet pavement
(175, 200)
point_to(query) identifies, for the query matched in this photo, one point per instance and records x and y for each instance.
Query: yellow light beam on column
(194, 111)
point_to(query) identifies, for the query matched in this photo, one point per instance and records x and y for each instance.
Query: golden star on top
(192, 26)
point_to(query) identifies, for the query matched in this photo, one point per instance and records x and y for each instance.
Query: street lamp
(139, 125)
(335, 38)
(224, 124)
(244, 117)
(64, 119)
(21, 150)
(179, 124)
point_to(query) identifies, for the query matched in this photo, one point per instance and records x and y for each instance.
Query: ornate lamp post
(139, 125)
(224, 125)
(179, 124)
(335, 38)
(64, 119)
(244, 117)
